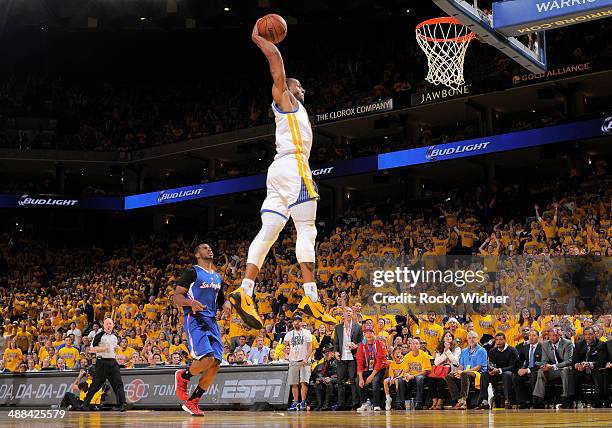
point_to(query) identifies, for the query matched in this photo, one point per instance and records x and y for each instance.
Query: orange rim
(444, 20)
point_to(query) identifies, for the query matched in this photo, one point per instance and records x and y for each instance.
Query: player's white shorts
(289, 183)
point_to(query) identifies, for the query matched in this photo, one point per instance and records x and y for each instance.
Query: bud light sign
(168, 196)
(434, 152)
(32, 201)
(606, 128)
(495, 144)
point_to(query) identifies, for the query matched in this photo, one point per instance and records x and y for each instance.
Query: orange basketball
(273, 28)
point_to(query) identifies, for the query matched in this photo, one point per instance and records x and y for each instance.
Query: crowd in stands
(50, 111)
(323, 153)
(53, 300)
(61, 111)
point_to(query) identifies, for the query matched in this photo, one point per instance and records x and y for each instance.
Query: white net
(444, 41)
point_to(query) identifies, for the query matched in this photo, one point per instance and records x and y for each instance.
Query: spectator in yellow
(177, 346)
(134, 339)
(505, 325)
(263, 298)
(125, 349)
(128, 322)
(126, 307)
(483, 323)
(440, 244)
(396, 370)
(467, 238)
(417, 367)
(527, 320)
(162, 341)
(69, 353)
(549, 226)
(12, 356)
(450, 216)
(459, 333)
(429, 330)
(284, 290)
(151, 310)
(23, 339)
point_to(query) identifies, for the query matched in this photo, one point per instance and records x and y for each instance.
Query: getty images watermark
(423, 283)
(485, 284)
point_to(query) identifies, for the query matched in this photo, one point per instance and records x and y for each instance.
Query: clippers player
(291, 193)
(199, 292)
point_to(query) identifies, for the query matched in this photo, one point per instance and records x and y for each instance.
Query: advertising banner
(459, 149)
(517, 17)
(198, 191)
(154, 387)
(552, 74)
(57, 201)
(496, 143)
(244, 184)
(440, 94)
(350, 112)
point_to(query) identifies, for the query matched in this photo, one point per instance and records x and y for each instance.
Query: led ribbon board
(519, 17)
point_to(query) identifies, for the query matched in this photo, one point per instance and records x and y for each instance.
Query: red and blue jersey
(204, 286)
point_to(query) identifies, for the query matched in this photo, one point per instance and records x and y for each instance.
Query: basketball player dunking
(291, 193)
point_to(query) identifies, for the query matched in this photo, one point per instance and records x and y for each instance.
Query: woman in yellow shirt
(177, 346)
(12, 356)
(163, 342)
(527, 320)
(264, 300)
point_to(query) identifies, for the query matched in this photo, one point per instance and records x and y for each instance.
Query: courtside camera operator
(81, 386)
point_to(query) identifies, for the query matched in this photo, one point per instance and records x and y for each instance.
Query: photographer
(80, 386)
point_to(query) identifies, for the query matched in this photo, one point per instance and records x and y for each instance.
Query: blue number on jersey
(205, 289)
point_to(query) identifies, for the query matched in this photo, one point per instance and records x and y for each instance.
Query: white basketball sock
(310, 290)
(248, 285)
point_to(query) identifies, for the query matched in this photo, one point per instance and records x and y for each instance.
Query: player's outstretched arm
(280, 92)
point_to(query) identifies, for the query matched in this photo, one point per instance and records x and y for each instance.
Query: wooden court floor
(445, 419)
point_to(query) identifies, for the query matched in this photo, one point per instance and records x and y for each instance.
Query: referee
(104, 345)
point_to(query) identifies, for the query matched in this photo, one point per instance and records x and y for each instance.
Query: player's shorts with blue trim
(289, 183)
(203, 336)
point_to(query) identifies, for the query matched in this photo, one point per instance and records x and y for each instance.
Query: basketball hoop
(444, 41)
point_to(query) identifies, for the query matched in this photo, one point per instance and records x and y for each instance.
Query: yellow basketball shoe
(243, 303)
(315, 310)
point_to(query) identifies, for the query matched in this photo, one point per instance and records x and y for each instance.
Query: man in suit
(520, 346)
(589, 357)
(89, 311)
(347, 338)
(530, 359)
(557, 355)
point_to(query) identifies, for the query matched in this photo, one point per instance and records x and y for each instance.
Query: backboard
(519, 17)
(517, 27)
(529, 50)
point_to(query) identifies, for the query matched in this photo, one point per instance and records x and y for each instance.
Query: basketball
(273, 28)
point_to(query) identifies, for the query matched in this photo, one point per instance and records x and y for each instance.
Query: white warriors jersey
(289, 181)
(293, 133)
